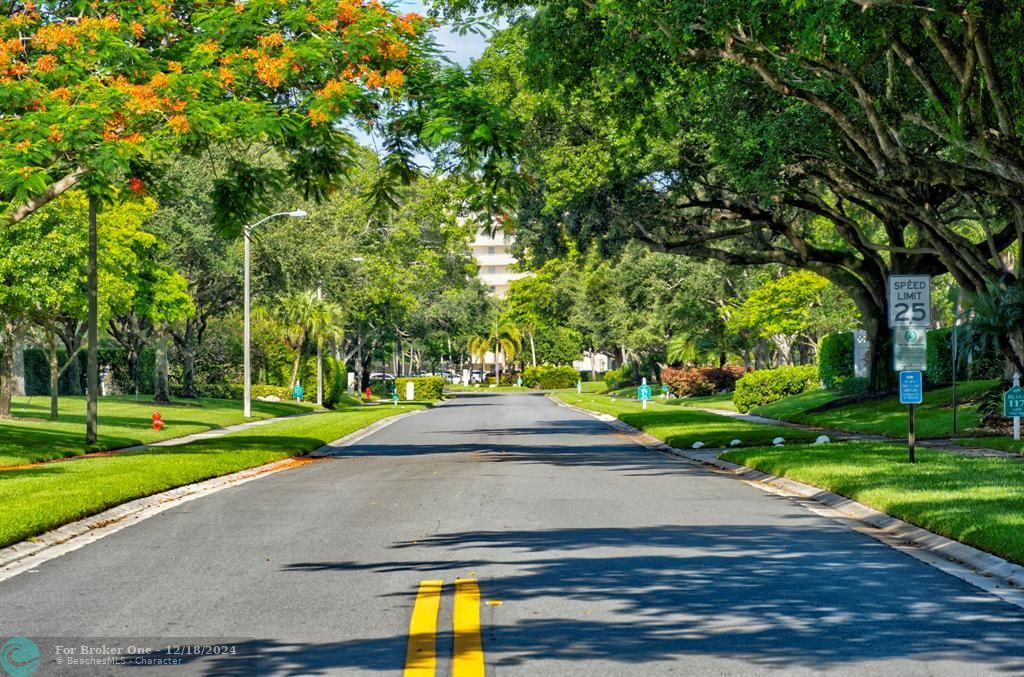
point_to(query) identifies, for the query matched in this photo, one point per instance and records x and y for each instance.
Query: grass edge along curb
(118, 513)
(995, 570)
(931, 506)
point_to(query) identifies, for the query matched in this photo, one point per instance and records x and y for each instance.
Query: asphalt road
(606, 558)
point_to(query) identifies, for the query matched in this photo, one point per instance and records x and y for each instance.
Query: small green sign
(1013, 402)
(298, 391)
(643, 392)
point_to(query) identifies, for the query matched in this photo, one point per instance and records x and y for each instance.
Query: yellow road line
(421, 652)
(468, 658)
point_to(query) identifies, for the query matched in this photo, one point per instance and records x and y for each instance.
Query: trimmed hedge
(425, 387)
(758, 388)
(619, 378)
(547, 377)
(696, 381)
(835, 360)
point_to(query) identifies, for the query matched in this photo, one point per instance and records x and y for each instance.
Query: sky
(459, 48)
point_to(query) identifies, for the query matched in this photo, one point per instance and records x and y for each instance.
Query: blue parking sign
(911, 387)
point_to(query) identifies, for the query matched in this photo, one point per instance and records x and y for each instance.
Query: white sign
(910, 349)
(910, 301)
(410, 391)
(861, 350)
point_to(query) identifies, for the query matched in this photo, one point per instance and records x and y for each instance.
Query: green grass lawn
(721, 401)
(979, 501)
(884, 417)
(35, 500)
(682, 426)
(123, 422)
(1004, 443)
(789, 408)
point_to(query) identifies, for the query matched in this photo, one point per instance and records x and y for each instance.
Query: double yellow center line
(467, 651)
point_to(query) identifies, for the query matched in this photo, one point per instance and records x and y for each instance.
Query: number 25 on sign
(910, 301)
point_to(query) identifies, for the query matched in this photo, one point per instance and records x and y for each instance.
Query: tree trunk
(298, 361)
(359, 365)
(92, 357)
(161, 376)
(188, 372)
(593, 364)
(6, 371)
(18, 369)
(533, 351)
(51, 346)
(497, 366)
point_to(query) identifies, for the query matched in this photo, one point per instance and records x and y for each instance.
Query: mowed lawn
(123, 422)
(682, 426)
(934, 418)
(35, 500)
(978, 501)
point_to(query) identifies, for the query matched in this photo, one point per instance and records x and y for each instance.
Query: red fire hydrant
(158, 421)
(368, 393)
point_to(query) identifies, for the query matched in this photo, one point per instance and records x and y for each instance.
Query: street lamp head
(298, 213)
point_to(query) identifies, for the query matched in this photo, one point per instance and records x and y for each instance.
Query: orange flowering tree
(96, 93)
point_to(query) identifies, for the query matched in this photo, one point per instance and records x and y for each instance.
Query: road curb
(28, 554)
(1002, 573)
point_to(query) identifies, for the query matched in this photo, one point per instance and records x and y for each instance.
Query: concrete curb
(1001, 573)
(27, 555)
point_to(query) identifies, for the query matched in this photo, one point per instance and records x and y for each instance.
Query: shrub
(425, 387)
(689, 382)
(758, 388)
(855, 385)
(835, 360)
(284, 392)
(335, 382)
(985, 362)
(546, 377)
(219, 391)
(696, 381)
(619, 378)
(381, 388)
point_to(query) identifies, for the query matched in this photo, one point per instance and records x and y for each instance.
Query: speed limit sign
(910, 301)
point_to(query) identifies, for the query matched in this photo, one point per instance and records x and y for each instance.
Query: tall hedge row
(547, 377)
(424, 387)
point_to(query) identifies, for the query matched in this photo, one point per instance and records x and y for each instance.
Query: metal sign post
(1013, 405)
(643, 393)
(910, 315)
(911, 393)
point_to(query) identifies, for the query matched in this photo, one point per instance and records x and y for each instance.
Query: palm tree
(997, 319)
(478, 344)
(306, 316)
(507, 340)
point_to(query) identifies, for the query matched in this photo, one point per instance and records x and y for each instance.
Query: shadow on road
(809, 595)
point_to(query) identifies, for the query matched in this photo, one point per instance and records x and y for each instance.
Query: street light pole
(319, 356)
(246, 339)
(246, 360)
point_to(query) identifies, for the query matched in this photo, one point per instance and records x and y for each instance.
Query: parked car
(376, 376)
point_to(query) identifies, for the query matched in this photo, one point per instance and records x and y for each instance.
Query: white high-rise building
(493, 255)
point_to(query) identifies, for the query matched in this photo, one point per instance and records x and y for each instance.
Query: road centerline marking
(468, 653)
(421, 651)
